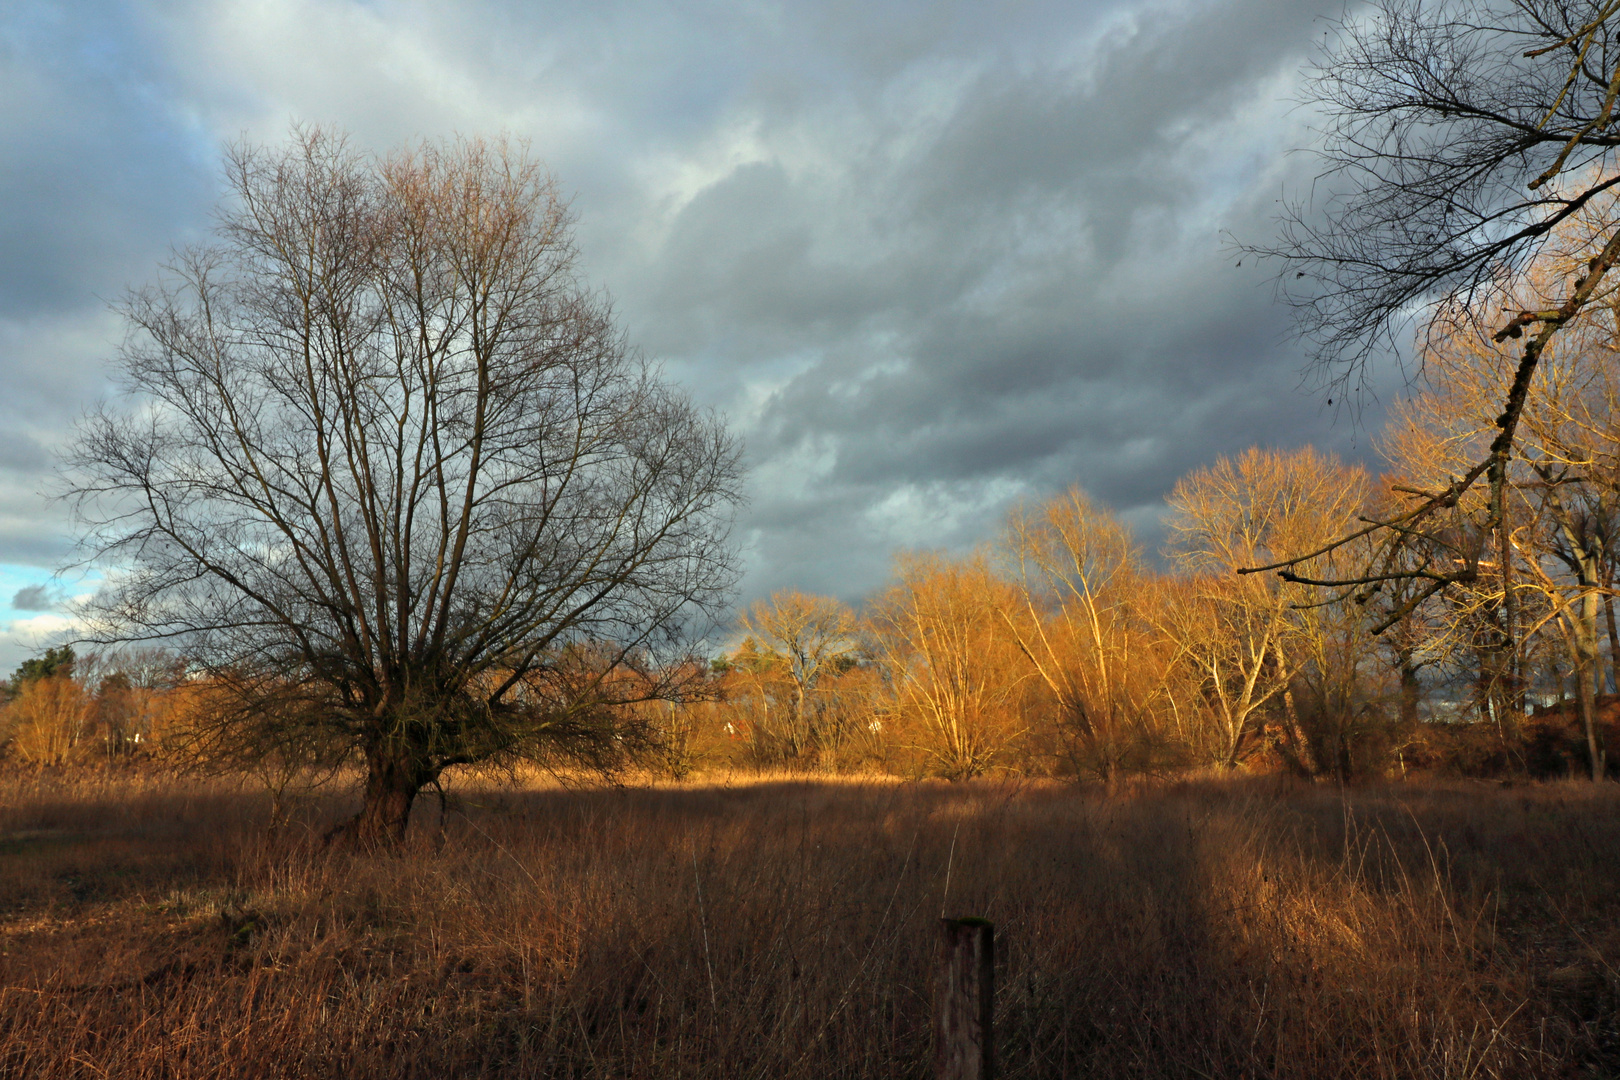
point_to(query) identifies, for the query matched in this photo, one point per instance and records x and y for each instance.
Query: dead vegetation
(782, 928)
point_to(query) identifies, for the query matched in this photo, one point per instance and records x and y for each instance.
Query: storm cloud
(33, 598)
(929, 258)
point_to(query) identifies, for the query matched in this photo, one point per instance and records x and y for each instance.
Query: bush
(48, 721)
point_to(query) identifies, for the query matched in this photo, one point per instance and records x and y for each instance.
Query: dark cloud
(1020, 287)
(100, 173)
(930, 257)
(33, 598)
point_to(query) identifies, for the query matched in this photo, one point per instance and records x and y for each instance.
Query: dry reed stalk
(1211, 928)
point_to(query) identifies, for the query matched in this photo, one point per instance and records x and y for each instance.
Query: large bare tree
(1462, 140)
(389, 472)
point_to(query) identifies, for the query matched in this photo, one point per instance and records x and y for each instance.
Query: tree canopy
(1464, 141)
(389, 473)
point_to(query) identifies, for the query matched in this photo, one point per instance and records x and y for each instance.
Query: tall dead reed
(783, 929)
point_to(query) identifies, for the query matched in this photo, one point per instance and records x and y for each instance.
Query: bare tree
(1084, 621)
(814, 635)
(954, 674)
(1562, 505)
(1462, 138)
(47, 723)
(392, 476)
(1247, 637)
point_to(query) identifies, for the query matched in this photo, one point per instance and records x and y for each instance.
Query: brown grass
(783, 929)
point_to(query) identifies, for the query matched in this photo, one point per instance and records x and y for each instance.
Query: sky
(929, 259)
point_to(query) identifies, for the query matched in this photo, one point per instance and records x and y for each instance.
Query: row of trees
(400, 492)
(60, 708)
(1061, 647)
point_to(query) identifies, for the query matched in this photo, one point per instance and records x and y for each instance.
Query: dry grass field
(783, 929)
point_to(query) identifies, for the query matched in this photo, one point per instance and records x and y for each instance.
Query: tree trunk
(1586, 673)
(393, 779)
(1411, 690)
(1304, 753)
(1496, 671)
(1234, 742)
(1614, 641)
(802, 738)
(1513, 688)
(1582, 622)
(1594, 749)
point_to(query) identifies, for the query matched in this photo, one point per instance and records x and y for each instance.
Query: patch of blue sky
(15, 580)
(36, 610)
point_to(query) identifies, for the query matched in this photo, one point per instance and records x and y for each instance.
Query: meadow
(783, 927)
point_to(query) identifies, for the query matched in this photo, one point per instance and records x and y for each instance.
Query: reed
(785, 928)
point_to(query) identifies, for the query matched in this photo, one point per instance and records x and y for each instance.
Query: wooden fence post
(965, 1000)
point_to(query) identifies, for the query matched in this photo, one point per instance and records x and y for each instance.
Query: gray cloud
(100, 175)
(33, 598)
(929, 257)
(1018, 287)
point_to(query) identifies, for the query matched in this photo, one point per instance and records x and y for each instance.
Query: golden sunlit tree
(1084, 622)
(814, 636)
(1240, 634)
(48, 720)
(1336, 719)
(1551, 564)
(955, 674)
(758, 693)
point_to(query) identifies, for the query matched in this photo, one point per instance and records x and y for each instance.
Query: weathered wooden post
(965, 1000)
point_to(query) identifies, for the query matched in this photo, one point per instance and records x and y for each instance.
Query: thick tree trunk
(1411, 690)
(393, 779)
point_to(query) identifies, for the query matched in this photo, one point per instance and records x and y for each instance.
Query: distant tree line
(1484, 641)
(390, 492)
(61, 708)
(1060, 648)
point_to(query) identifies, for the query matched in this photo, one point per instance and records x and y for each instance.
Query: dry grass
(783, 929)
